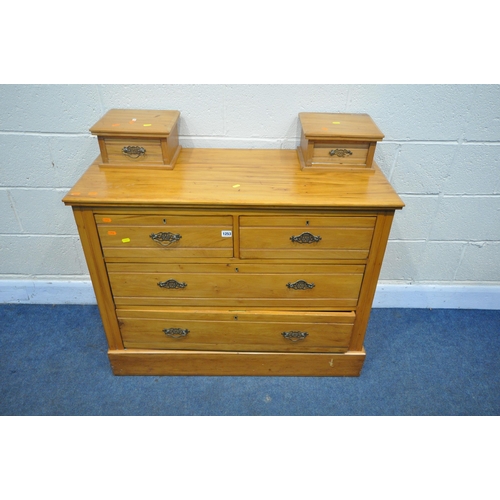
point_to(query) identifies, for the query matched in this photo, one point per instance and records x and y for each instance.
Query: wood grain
(139, 362)
(136, 122)
(235, 331)
(339, 126)
(234, 296)
(217, 178)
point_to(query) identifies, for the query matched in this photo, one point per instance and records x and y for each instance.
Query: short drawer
(133, 151)
(340, 153)
(332, 287)
(236, 330)
(302, 237)
(138, 236)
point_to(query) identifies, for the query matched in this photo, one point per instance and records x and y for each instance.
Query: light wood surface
(323, 135)
(155, 131)
(234, 179)
(92, 249)
(261, 248)
(367, 292)
(218, 284)
(158, 362)
(235, 331)
(136, 122)
(153, 154)
(340, 126)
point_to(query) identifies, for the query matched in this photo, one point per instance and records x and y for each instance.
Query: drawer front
(334, 286)
(137, 151)
(158, 236)
(305, 237)
(236, 330)
(340, 153)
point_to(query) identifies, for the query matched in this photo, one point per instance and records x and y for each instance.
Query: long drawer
(329, 286)
(139, 236)
(235, 330)
(302, 237)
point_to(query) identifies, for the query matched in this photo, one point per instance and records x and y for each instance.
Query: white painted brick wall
(441, 152)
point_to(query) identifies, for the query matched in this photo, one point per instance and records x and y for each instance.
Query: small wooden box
(138, 138)
(337, 141)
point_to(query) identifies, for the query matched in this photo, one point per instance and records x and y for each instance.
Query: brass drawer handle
(176, 333)
(300, 285)
(165, 239)
(295, 335)
(305, 238)
(134, 151)
(171, 283)
(342, 153)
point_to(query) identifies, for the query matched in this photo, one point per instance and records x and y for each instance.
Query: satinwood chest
(236, 262)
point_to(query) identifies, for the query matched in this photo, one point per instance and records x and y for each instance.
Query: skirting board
(387, 295)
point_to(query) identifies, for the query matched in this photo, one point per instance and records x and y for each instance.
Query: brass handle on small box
(340, 152)
(165, 239)
(300, 285)
(305, 238)
(175, 333)
(294, 335)
(134, 151)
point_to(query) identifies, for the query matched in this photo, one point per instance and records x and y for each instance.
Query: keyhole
(236, 270)
(307, 222)
(236, 318)
(164, 221)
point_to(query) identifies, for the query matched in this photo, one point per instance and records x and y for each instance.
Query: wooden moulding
(138, 138)
(141, 362)
(337, 141)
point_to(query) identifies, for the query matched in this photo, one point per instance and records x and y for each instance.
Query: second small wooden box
(337, 141)
(138, 138)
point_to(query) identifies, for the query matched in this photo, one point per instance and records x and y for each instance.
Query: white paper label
(227, 234)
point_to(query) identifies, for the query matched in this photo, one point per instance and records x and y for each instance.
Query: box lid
(339, 126)
(127, 122)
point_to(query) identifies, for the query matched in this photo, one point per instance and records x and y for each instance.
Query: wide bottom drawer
(232, 330)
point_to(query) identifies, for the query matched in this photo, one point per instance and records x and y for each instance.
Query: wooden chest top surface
(230, 178)
(339, 126)
(136, 122)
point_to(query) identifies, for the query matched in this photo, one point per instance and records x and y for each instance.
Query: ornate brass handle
(134, 151)
(295, 335)
(165, 239)
(171, 283)
(176, 333)
(305, 238)
(342, 153)
(300, 285)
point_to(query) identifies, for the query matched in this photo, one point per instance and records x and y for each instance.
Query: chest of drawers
(237, 262)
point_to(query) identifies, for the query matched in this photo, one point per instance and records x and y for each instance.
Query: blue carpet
(53, 361)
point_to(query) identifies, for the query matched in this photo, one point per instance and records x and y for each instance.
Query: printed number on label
(227, 234)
